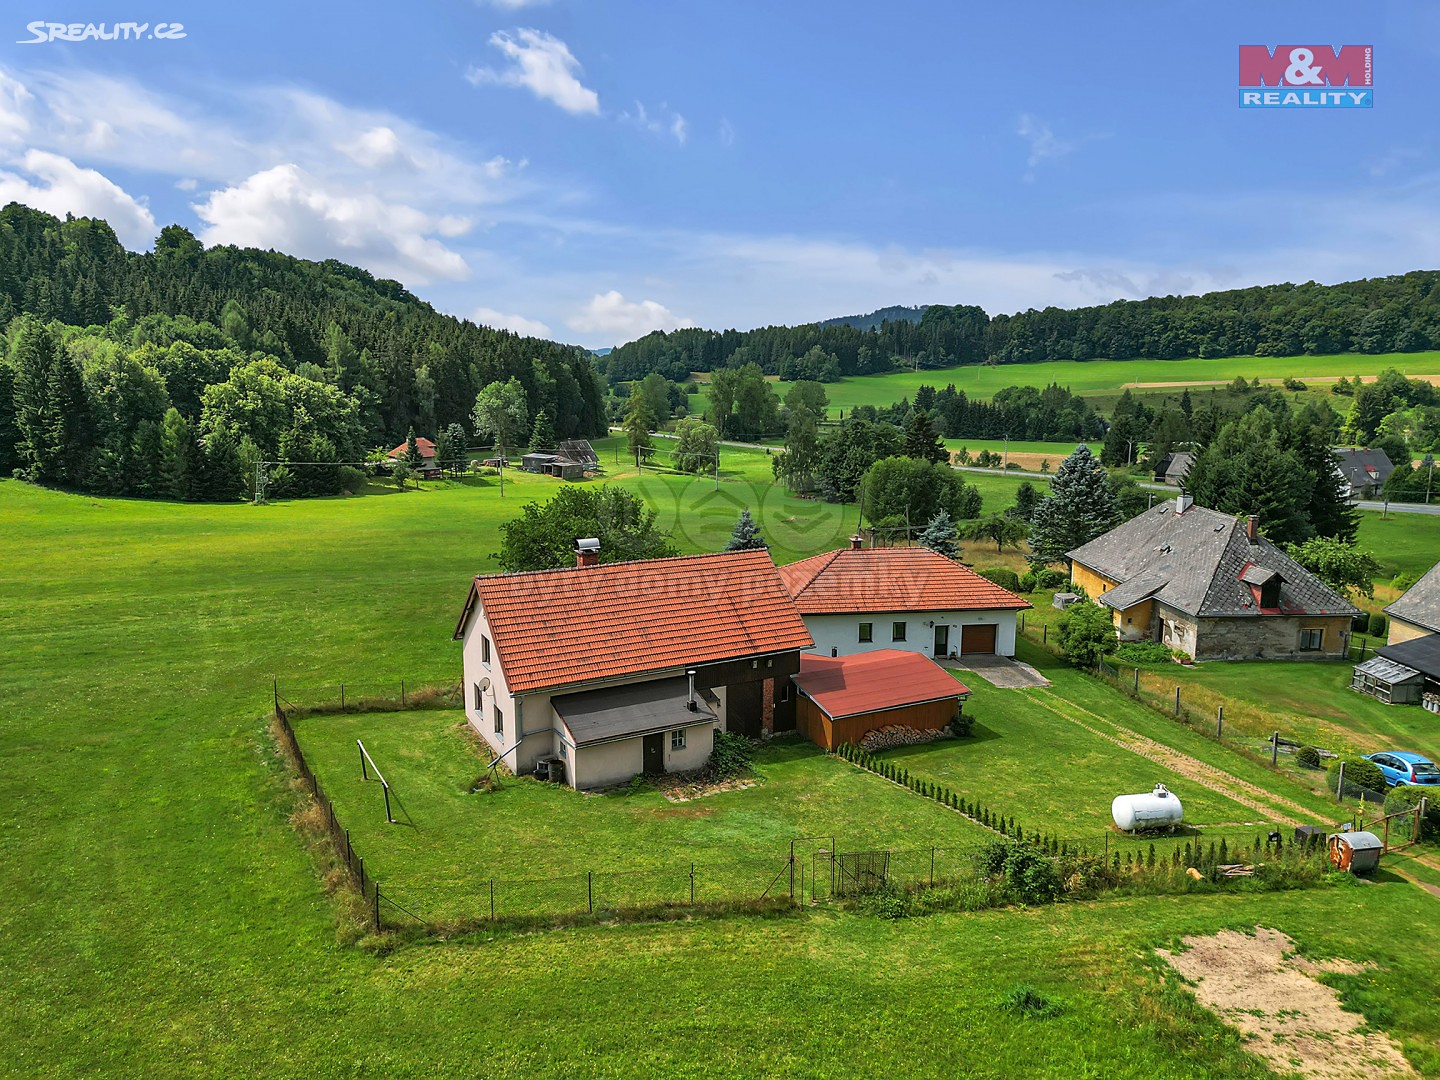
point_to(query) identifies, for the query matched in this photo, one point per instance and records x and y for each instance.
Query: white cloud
(288, 209)
(1045, 145)
(516, 324)
(15, 103)
(727, 133)
(612, 315)
(665, 121)
(187, 183)
(375, 147)
(542, 64)
(64, 187)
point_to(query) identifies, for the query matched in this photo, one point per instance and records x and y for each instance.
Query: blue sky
(593, 169)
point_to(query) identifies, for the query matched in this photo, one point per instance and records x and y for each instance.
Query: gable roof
(1363, 467)
(891, 579)
(425, 446)
(873, 681)
(1420, 604)
(553, 628)
(1176, 465)
(1203, 564)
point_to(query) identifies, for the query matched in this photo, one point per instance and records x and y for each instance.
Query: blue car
(1402, 767)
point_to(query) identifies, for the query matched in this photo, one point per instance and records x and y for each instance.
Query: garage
(843, 698)
(977, 638)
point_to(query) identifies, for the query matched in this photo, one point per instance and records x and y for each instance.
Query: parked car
(1401, 767)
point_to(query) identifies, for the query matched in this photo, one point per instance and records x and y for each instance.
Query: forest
(170, 372)
(1378, 315)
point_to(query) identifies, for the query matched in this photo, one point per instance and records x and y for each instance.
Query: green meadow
(162, 916)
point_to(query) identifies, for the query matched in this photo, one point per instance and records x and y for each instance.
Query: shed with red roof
(844, 698)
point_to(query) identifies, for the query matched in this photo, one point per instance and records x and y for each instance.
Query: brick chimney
(587, 552)
(1252, 529)
(856, 542)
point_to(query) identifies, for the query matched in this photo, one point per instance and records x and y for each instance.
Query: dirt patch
(682, 790)
(1294, 1022)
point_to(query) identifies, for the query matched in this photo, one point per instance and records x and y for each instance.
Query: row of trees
(1377, 315)
(1019, 412)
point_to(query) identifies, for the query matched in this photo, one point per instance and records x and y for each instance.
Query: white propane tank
(1153, 810)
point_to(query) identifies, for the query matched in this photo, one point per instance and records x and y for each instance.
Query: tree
(807, 394)
(501, 413)
(543, 536)
(1342, 566)
(542, 435)
(1002, 530)
(401, 473)
(757, 409)
(1085, 633)
(450, 446)
(796, 465)
(177, 457)
(901, 491)
(696, 446)
(51, 410)
(923, 441)
(1080, 506)
(746, 534)
(413, 457)
(1129, 497)
(846, 454)
(940, 535)
(637, 423)
(1026, 499)
(1248, 470)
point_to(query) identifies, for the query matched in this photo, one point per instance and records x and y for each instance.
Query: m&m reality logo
(1307, 77)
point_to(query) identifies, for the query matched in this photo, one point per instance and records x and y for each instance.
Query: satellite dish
(484, 685)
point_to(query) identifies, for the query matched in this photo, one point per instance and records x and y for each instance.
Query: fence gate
(859, 872)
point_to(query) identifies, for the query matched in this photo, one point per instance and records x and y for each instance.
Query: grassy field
(1109, 377)
(161, 916)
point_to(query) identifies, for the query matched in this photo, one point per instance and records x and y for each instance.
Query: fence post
(692, 883)
(590, 890)
(1220, 722)
(342, 697)
(492, 899)
(347, 847)
(1137, 682)
(275, 686)
(932, 866)
(363, 774)
(1045, 633)
(1340, 784)
(377, 907)
(361, 860)
(388, 819)
(1385, 842)
(1275, 749)
(1177, 701)
(402, 693)
(1022, 622)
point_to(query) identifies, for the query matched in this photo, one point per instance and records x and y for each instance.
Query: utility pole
(501, 447)
(1429, 462)
(1006, 463)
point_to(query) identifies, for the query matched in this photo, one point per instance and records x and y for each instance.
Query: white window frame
(677, 739)
(484, 650)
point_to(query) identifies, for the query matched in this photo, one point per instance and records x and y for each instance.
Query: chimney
(857, 542)
(587, 552)
(1183, 502)
(1252, 527)
(693, 707)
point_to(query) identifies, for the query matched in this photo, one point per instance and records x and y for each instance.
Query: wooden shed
(1388, 681)
(1358, 852)
(844, 698)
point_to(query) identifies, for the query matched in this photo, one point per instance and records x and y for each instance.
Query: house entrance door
(942, 639)
(655, 753)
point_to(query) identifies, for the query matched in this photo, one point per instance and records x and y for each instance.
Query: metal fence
(372, 695)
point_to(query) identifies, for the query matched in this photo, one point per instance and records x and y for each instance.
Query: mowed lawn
(160, 916)
(539, 841)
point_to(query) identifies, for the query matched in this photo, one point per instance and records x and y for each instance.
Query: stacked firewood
(898, 735)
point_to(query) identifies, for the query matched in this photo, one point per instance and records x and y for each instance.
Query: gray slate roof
(1199, 557)
(1356, 465)
(1422, 654)
(1420, 603)
(1176, 466)
(623, 712)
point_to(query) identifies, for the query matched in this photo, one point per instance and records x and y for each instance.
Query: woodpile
(893, 735)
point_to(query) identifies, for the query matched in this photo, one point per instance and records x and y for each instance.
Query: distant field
(1099, 377)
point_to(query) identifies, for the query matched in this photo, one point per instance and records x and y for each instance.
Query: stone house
(1212, 587)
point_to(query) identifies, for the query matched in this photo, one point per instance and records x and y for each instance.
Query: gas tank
(1156, 809)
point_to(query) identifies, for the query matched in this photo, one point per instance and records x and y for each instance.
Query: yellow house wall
(1094, 584)
(1400, 630)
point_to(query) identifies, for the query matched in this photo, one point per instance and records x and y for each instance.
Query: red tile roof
(891, 579)
(425, 446)
(554, 628)
(873, 681)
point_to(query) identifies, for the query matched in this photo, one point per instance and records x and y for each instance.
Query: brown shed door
(979, 638)
(655, 753)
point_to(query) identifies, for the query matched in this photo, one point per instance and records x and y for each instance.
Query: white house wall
(612, 763)
(842, 632)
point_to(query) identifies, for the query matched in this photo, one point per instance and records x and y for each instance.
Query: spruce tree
(1080, 506)
(941, 536)
(746, 535)
(542, 435)
(923, 441)
(412, 450)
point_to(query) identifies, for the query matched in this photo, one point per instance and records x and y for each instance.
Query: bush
(1006, 579)
(1308, 756)
(962, 724)
(1401, 582)
(732, 755)
(1085, 633)
(1359, 773)
(1377, 625)
(1049, 579)
(1029, 1002)
(351, 479)
(1028, 581)
(889, 901)
(1407, 798)
(1143, 652)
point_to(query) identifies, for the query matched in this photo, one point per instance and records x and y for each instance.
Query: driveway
(999, 671)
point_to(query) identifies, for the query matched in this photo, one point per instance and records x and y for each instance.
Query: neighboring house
(1404, 673)
(1212, 587)
(1417, 612)
(842, 699)
(429, 468)
(1362, 472)
(628, 667)
(558, 464)
(1175, 468)
(862, 599)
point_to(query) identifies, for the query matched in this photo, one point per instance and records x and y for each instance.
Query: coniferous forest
(170, 373)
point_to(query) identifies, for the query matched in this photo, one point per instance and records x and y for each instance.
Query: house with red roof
(912, 599)
(429, 468)
(844, 698)
(598, 672)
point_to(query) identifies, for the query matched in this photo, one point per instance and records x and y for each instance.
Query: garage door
(979, 638)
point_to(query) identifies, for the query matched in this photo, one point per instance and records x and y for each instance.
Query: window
(564, 751)
(867, 631)
(897, 631)
(784, 692)
(677, 739)
(1270, 597)
(1311, 640)
(479, 699)
(484, 649)
(499, 721)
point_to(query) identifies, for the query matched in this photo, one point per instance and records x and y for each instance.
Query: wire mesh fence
(367, 695)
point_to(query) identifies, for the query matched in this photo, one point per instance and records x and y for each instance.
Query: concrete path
(999, 671)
